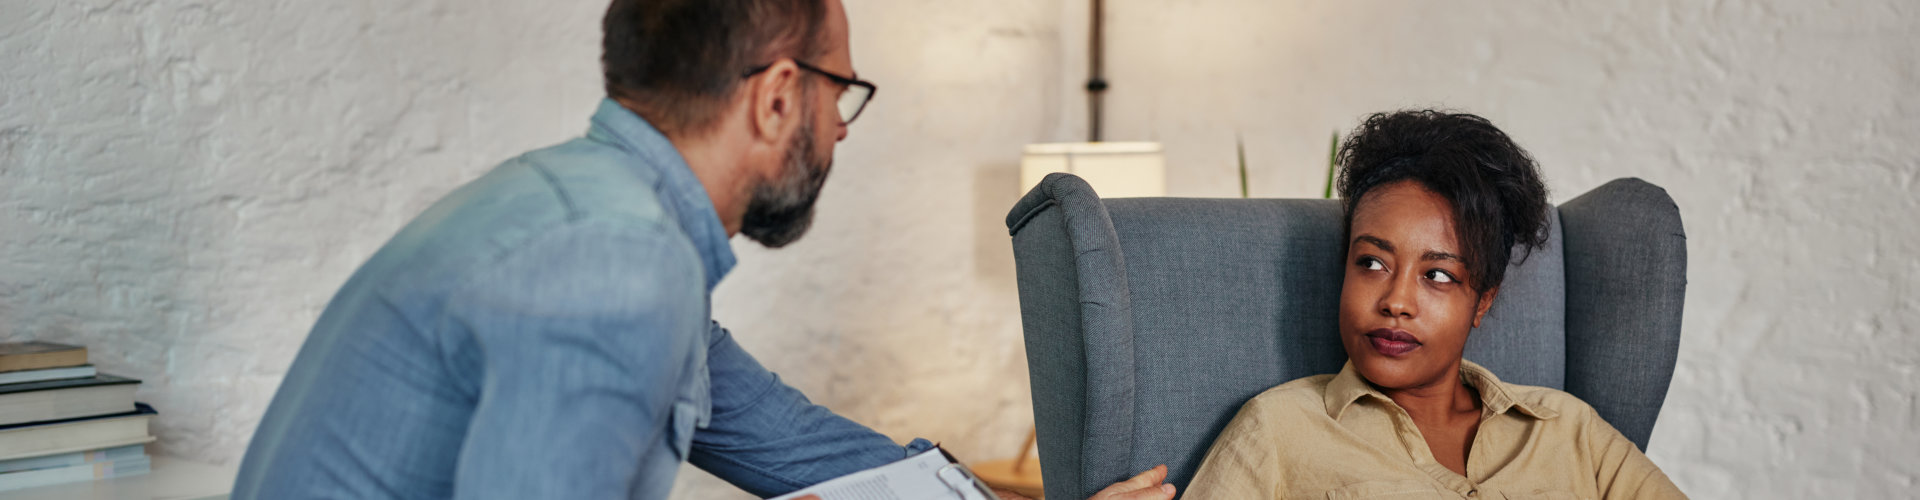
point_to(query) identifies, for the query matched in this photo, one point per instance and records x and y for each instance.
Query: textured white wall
(184, 184)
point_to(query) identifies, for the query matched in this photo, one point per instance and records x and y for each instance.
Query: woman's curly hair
(1498, 199)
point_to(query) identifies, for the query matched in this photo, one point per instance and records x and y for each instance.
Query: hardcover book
(72, 458)
(102, 469)
(78, 434)
(60, 373)
(34, 355)
(64, 399)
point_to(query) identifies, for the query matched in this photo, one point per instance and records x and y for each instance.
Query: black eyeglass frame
(842, 80)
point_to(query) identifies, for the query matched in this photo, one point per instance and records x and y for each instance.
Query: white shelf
(171, 479)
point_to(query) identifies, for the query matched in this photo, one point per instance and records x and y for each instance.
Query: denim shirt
(545, 332)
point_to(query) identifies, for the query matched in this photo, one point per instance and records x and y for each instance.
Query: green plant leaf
(1241, 146)
(1333, 155)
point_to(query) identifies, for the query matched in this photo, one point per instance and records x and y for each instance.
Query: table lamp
(1114, 169)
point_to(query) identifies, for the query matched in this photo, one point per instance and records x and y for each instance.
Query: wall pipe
(1096, 77)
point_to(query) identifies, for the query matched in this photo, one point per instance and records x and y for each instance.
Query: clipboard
(929, 475)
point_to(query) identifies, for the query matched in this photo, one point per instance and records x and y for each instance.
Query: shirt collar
(682, 194)
(1349, 386)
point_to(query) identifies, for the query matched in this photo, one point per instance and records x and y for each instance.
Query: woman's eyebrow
(1439, 255)
(1371, 239)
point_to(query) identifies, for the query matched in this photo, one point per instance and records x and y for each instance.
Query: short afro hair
(1498, 199)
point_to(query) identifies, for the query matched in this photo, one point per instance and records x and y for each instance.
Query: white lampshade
(1114, 169)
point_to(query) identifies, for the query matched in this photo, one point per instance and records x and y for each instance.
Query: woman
(1435, 204)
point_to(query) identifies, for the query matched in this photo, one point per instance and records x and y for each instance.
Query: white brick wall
(183, 184)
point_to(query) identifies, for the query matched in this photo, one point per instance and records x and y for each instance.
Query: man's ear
(1481, 306)
(774, 99)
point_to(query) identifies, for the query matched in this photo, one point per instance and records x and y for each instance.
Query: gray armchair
(1149, 321)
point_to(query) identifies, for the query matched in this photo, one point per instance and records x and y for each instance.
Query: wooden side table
(1021, 474)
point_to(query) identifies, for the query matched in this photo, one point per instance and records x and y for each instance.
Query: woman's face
(1405, 306)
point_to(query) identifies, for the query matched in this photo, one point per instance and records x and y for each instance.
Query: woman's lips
(1392, 343)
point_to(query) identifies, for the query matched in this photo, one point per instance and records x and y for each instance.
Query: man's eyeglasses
(852, 101)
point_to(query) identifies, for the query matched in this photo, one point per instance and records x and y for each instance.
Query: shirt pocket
(1386, 490)
(1541, 495)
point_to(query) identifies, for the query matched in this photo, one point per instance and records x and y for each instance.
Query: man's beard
(781, 209)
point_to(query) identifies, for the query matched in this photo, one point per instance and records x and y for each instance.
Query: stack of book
(61, 421)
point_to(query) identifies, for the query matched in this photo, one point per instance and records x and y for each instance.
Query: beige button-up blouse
(1336, 437)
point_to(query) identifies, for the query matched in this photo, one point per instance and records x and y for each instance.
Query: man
(544, 331)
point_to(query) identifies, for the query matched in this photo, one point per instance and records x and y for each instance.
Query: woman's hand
(1149, 485)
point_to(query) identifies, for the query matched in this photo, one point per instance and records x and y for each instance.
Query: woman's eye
(1439, 276)
(1371, 264)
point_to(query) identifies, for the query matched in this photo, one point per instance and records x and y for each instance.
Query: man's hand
(1006, 494)
(1148, 485)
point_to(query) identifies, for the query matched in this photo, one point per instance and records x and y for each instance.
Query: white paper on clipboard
(929, 475)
